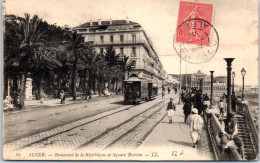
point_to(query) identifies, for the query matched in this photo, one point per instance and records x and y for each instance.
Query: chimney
(91, 23)
(127, 21)
(99, 21)
(110, 22)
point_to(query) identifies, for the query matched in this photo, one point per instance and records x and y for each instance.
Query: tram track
(118, 132)
(42, 140)
(134, 137)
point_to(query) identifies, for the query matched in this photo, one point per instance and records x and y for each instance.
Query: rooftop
(107, 23)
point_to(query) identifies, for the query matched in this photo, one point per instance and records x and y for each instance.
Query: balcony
(82, 31)
(125, 42)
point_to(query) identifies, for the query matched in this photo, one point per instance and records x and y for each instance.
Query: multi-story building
(128, 38)
(202, 81)
(195, 80)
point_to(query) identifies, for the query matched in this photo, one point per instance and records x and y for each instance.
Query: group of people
(191, 100)
(169, 91)
(194, 121)
(193, 107)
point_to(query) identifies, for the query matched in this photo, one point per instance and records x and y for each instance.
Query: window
(133, 38)
(101, 38)
(121, 38)
(121, 51)
(111, 38)
(101, 50)
(133, 52)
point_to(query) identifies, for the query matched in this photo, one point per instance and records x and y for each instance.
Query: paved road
(173, 142)
(22, 124)
(99, 130)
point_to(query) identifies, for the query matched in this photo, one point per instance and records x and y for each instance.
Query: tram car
(137, 90)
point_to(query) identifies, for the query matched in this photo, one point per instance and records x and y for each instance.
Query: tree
(112, 60)
(31, 38)
(76, 47)
(62, 72)
(126, 66)
(92, 63)
(11, 49)
(43, 62)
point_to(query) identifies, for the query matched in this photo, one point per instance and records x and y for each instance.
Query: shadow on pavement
(180, 143)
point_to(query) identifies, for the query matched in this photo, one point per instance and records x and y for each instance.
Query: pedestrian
(163, 92)
(187, 107)
(195, 123)
(221, 107)
(62, 97)
(206, 97)
(230, 137)
(233, 102)
(170, 110)
(42, 97)
(169, 90)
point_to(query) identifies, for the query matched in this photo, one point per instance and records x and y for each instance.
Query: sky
(236, 22)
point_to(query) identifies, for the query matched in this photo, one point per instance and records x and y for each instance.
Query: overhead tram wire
(63, 2)
(72, 4)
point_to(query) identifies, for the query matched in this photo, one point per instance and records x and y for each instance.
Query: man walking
(187, 107)
(195, 123)
(170, 110)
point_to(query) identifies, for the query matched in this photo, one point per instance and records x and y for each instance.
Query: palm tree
(63, 70)
(76, 47)
(11, 60)
(112, 60)
(43, 62)
(30, 35)
(93, 63)
(126, 66)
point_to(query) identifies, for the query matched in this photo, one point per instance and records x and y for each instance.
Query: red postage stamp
(193, 23)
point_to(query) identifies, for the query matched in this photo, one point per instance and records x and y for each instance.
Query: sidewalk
(173, 142)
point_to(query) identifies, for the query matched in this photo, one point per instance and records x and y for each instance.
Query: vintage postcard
(139, 80)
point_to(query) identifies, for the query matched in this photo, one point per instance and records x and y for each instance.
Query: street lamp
(233, 87)
(211, 87)
(229, 69)
(243, 73)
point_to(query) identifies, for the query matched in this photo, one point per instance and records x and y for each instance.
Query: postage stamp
(196, 40)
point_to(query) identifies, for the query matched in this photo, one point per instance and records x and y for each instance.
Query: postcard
(140, 80)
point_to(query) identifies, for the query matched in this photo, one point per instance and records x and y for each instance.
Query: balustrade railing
(243, 109)
(215, 129)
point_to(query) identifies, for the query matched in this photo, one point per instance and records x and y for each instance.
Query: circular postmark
(196, 41)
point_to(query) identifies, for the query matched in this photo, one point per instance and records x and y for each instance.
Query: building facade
(127, 38)
(202, 81)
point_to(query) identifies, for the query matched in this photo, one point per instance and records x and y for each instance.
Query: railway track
(124, 126)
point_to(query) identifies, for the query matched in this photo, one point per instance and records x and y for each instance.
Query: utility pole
(186, 81)
(180, 84)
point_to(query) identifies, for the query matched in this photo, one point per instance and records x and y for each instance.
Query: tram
(137, 90)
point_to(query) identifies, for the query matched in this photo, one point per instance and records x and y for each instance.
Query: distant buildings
(202, 81)
(128, 38)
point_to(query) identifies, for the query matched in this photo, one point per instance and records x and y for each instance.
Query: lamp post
(233, 86)
(229, 68)
(243, 73)
(211, 87)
